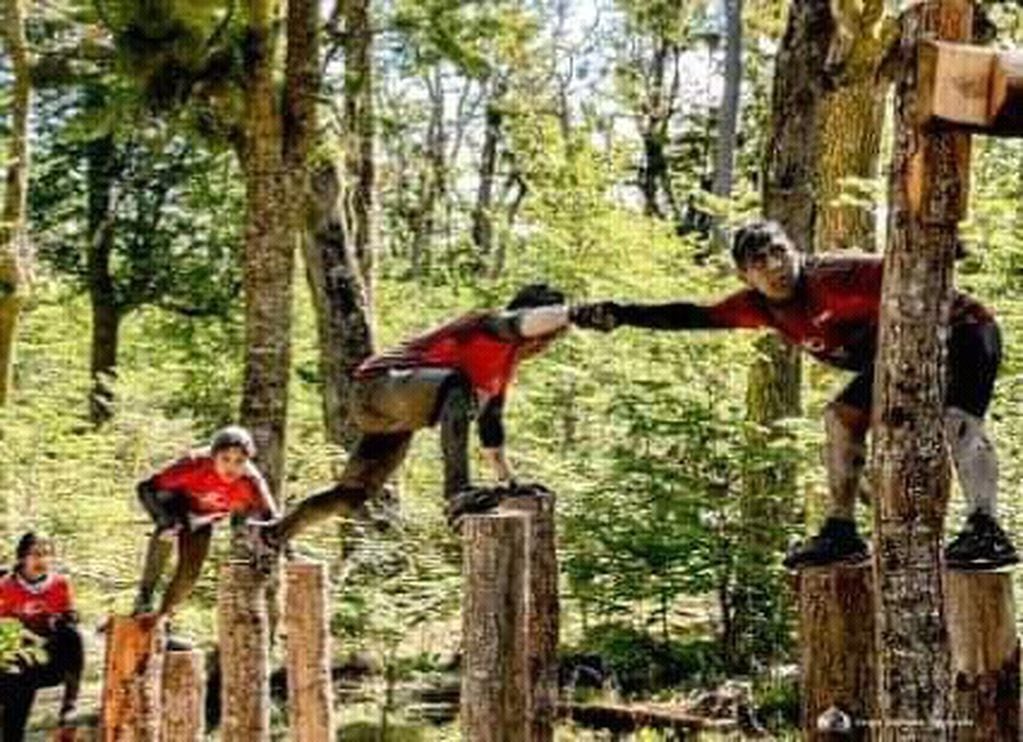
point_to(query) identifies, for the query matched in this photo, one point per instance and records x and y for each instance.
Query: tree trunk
(132, 672)
(928, 193)
(276, 144)
(14, 253)
(359, 129)
(101, 175)
(773, 385)
(729, 114)
(495, 675)
(310, 697)
(482, 214)
(184, 696)
(985, 655)
(432, 181)
(836, 608)
(243, 636)
(342, 312)
(852, 116)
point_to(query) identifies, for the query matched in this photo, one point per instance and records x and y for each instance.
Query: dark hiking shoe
(837, 543)
(982, 544)
(473, 500)
(177, 643)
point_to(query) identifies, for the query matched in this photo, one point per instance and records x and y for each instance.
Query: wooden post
(243, 633)
(310, 696)
(184, 696)
(131, 680)
(928, 193)
(542, 611)
(836, 621)
(985, 655)
(495, 672)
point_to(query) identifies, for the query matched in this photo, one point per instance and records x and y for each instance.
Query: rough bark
(852, 116)
(495, 675)
(659, 106)
(310, 696)
(14, 254)
(927, 196)
(243, 635)
(359, 128)
(542, 612)
(342, 309)
(184, 696)
(836, 608)
(985, 655)
(277, 135)
(132, 672)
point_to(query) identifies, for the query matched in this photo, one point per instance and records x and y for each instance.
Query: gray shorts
(400, 400)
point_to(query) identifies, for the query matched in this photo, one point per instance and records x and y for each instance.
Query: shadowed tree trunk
(342, 314)
(729, 117)
(482, 214)
(14, 254)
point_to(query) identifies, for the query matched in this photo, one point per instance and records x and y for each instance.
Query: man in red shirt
(436, 378)
(43, 602)
(829, 305)
(186, 498)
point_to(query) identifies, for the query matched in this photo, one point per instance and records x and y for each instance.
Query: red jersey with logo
(466, 344)
(833, 313)
(208, 493)
(34, 604)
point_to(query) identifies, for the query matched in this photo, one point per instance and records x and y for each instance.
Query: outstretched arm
(743, 309)
(267, 507)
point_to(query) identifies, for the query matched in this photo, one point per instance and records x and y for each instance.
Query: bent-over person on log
(443, 377)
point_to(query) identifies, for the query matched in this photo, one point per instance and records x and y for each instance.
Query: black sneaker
(836, 543)
(473, 500)
(982, 544)
(177, 643)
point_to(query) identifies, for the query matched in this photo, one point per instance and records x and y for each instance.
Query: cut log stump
(131, 680)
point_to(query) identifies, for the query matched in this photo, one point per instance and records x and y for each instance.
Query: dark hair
(233, 436)
(27, 541)
(752, 237)
(536, 295)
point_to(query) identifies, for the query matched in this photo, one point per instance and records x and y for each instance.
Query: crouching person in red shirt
(185, 499)
(43, 602)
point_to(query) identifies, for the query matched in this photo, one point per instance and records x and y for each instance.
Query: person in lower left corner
(42, 601)
(185, 499)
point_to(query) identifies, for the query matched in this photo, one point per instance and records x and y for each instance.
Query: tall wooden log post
(310, 696)
(836, 612)
(244, 637)
(985, 655)
(184, 696)
(132, 674)
(542, 612)
(928, 190)
(510, 622)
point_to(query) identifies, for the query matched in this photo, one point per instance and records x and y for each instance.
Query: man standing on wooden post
(829, 305)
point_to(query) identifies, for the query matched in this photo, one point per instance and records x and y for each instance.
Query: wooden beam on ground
(132, 673)
(622, 718)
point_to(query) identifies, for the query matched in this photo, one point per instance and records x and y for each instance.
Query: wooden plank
(954, 83)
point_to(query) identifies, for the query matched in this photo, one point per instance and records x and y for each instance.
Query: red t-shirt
(35, 604)
(834, 312)
(208, 493)
(466, 344)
